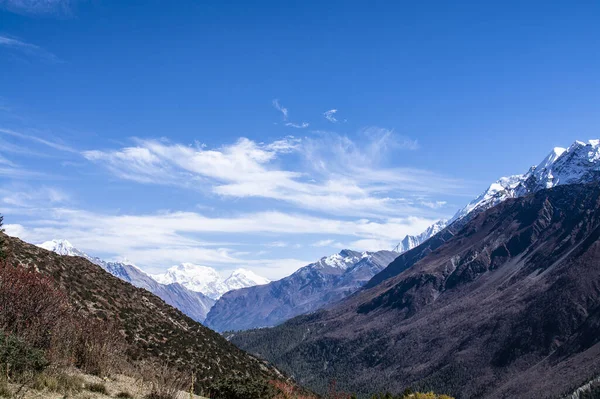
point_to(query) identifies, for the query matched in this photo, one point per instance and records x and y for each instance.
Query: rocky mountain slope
(308, 289)
(207, 280)
(506, 306)
(152, 328)
(578, 164)
(194, 304)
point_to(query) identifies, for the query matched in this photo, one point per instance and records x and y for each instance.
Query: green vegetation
(236, 388)
(18, 357)
(410, 395)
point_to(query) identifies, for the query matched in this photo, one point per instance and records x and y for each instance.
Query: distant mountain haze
(310, 288)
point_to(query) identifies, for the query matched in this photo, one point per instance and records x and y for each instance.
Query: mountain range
(207, 280)
(579, 163)
(503, 301)
(183, 291)
(308, 289)
(507, 305)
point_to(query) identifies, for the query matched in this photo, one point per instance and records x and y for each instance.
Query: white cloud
(285, 115)
(330, 115)
(160, 239)
(339, 176)
(277, 244)
(280, 108)
(27, 48)
(302, 125)
(328, 243)
(433, 204)
(19, 196)
(36, 139)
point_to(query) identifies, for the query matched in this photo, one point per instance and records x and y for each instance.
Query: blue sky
(199, 131)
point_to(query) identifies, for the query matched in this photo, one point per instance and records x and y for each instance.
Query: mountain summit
(580, 163)
(207, 280)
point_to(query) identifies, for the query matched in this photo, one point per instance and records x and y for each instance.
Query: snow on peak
(409, 242)
(207, 280)
(62, 247)
(580, 163)
(342, 260)
(242, 278)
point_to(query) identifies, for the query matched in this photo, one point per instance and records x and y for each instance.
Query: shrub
(18, 357)
(241, 388)
(35, 310)
(31, 306)
(166, 381)
(124, 395)
(97, 387)
(100, 348)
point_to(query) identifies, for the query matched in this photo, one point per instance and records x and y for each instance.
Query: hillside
(507, 305)
(308, 289)
(151, 327)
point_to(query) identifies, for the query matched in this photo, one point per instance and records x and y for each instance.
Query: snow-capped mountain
(580, 163)
(242, 278)
(62, 247)
(195, 304)
(207, 280)
(410, 242)
(311, 287)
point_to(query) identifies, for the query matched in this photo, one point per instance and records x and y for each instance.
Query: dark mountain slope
(153, 328)
(508, 306)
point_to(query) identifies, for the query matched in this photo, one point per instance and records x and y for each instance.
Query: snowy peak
(580, 163)
(207, 280)
(62, 247)
(194, 277)
(409, 242)
(242, 278)
(342, 260)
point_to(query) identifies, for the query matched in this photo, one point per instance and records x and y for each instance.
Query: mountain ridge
(507, 306)
(310, 288)
(194, 304)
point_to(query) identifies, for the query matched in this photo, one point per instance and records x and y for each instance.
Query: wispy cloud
(341, 177)
(280, 108)
(329, 244)
(28, 49)
(302, 125)
(36, 139)
(285, 115)
(434, 204)
(38, 7)
(27, 197)
(330, 115)
(277, 244)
